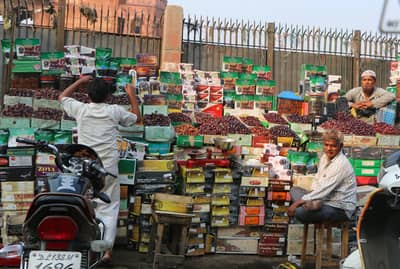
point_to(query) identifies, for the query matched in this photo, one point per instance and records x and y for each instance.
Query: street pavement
(124, 258)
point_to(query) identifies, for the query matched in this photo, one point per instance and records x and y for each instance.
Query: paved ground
(129, 259)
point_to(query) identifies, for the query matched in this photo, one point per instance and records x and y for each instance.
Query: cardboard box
(388, 140)
(239, 231)
(252, 210)
(17, 196)
(364, 140)
(294, 247)
(126, 171)
(366, 152)
(254, 181)
(17, 186)
(17, 173)
(237, 246)
(271, 239)
(154, 177)
(270, 251)
(220, 221)
(256, 220)
(172, 203)
(156, 166)
(295, 232)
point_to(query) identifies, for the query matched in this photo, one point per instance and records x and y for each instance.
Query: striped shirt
(335, 184)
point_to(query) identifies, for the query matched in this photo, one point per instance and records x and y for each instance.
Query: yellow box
(156, 166)
(255, 181)
(172, 203)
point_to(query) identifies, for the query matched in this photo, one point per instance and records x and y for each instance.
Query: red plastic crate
(366, 180)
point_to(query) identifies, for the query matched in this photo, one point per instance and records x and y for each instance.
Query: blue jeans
(325, 213)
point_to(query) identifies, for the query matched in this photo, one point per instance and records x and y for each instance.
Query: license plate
(54, 260)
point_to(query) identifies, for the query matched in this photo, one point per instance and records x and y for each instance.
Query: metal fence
(286, 47)
(126, 32)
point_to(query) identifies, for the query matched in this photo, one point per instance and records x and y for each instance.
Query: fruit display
(386, 129)
(47, 113)
(260, 131)
(156, 120)
(186, 129)
(348, 125)
(179, 117)
(299, 119)
(18, 110)
(275, 118)
(251, 121)
(282, 131)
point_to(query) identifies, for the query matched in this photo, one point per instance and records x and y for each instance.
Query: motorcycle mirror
(104, 197)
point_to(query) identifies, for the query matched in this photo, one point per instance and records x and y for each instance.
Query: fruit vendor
(366, 100)
(333, 192)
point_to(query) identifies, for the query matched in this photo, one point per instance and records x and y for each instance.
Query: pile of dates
(21, 92)
(179, 117)
(156, 120)
(299, 119)
(46, 93)
(202, 117)
(251, 121)
(18, 110)
(81, 97)
(282, 131)
(386, 129)
(260, 131)
(46, 113)
(234, 126)
(121, 99)
(275, 118)
(213, 127)
(352, 126)
(186, 129)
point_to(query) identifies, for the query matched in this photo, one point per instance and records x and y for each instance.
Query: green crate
(153, 109)
(300, 127)
(367, 172)
(360, 163)
(240, 139)
(13, 122)
(67, 125)
(158, 133)
(46, 124)
(13, 100)
(186, 141)
(158, 147)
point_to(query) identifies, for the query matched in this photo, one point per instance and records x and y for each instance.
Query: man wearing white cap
(367, 99)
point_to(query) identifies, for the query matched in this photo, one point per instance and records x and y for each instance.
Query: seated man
(333, 194)
(367, 99)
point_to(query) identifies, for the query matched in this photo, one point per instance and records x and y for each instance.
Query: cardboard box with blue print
(126, 171)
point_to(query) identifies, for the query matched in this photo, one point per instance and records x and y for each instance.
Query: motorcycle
(378, 230)
(60, 230)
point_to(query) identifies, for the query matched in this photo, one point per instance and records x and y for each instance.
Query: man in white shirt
(368, 99)
(97, 125)
(333, 194)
